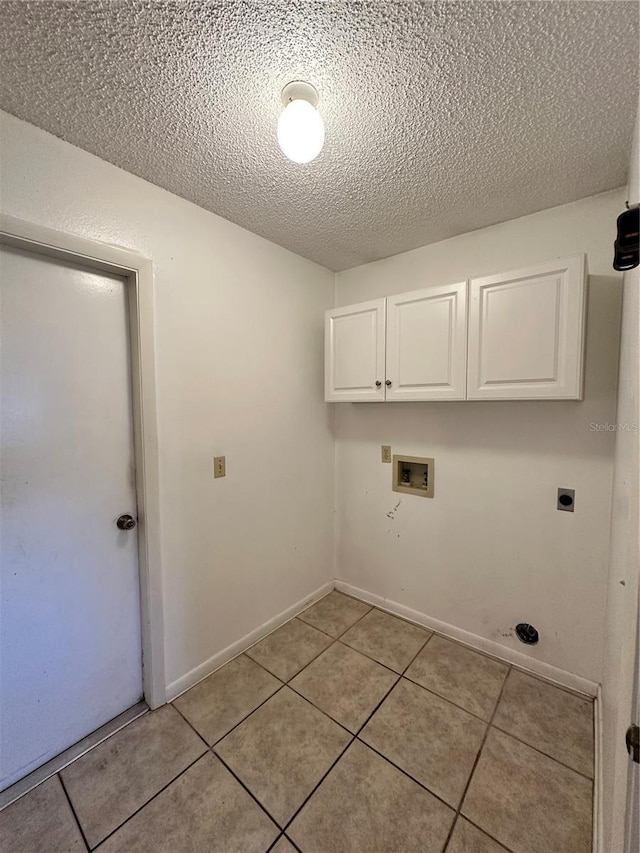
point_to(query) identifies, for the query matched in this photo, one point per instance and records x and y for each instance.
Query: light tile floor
(345, 731)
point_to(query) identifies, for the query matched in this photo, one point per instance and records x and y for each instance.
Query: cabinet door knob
(378, 383)
(388, 382)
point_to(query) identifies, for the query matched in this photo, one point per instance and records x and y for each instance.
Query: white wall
(623, 581)
(491, 550)
(239, 372)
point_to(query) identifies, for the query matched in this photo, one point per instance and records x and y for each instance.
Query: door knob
(126, 522)
(388, 382)
(378, 383)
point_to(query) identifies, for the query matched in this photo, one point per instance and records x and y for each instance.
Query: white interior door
(70, 644)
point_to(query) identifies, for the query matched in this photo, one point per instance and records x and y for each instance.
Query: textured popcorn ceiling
(441, 117)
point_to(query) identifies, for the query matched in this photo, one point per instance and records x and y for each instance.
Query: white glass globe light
(300, 131)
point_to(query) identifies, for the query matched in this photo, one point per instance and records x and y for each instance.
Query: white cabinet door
(427, 344)
(354, 352)
(526, 332)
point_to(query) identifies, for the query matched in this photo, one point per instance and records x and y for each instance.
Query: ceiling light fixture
(300, 126)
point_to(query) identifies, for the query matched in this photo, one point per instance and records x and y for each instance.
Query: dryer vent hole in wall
(527, 633)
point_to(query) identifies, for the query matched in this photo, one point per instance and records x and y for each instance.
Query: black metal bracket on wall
(626, 248)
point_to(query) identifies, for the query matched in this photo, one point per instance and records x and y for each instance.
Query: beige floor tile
(385, 638)
(550, 719)
(366, 805)
(344, 684)
(120, 775)
(204, 809)
(222, 700)
(283, 846)
(466, 678)
(288, 649)
(429, 738)
(40, 822)
(334, 613)
(281, 752)
(528, 801)
(467, 838)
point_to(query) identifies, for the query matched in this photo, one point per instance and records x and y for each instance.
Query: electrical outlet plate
(219, 466)
(386, 453)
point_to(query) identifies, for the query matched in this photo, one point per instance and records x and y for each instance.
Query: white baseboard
(474, 641)
(598, 778)
(205, 669)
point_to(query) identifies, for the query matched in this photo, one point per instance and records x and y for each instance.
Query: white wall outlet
(386, 453)
(219, 466)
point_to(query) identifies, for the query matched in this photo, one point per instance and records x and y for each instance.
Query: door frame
(137, 272)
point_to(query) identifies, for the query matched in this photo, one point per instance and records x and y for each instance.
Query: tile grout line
(73, 811)
(420, 784)
(541, 752)
(349, 627)
(510, 668)
(484, 832)
(292, 843)
(375, 660)
(447, 700)
(282, 827)
(257, 663)
(145, 804)
(315, 657)
(399, 677)
(333, 639)
(318, 783)
(309, 625)
(364, 654)
(235, 726)
(483, 719)
(476, 762)
(324, 713)
(531, 746)
(237, 777)
(251, 794)
(277, 841)
(193, 728)
(244, 719)
(354, 736)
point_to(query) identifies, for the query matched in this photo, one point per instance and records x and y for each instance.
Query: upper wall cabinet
(354, 352)
(525, 340)
(420, 337)
(427, 344)
(526, 332)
